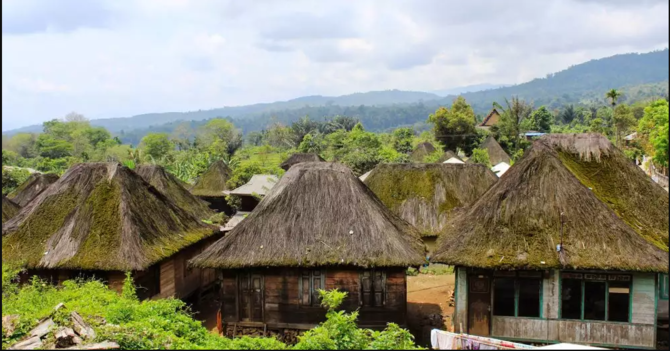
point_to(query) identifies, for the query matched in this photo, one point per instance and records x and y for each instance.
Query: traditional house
(420, 151)
(9, 209)
(102, 219)
(300, 157)
(211, 184)
(250, 194)
(175, 189)
(496, 152)
(33, 186)
(427, 195)
(490, 120)
(320, 227)
(449, 156)
(564, 248)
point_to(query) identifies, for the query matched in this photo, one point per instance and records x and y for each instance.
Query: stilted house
(565, 247)
(175, 189)
(426, 195)
(9, 209)
(420, 151)
(496, 152)
(33, 186)
(449, 155)
(211, 184)
(102, 219)
(300, 157)
(320, 227)
(250, 194)
(490, 120)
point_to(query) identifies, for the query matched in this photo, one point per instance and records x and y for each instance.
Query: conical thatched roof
(9, 209)
(174, 189)
(496, 152)
(448, 155)
(259, 184)
(33, 186)
(300, 157)
(425, 195)
(615, 217)
(212, 183)
(318, 214)
(99, 216)
(422, 150)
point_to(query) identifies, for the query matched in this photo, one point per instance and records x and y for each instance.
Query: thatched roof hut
(259, 184)
(318, 214)
(614, 217)
(425, 195)
(447, 156)
(9, 209)
(174, 189)
(100, 216)
(212, 183)
(496, 152)
(300, 157)
(422, 150)
(33, 186)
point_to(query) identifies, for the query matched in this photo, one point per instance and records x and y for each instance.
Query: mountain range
(637, 75)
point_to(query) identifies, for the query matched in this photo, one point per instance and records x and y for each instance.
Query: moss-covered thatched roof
(174, 189)
(496, 152)
(212, 183)
(615, 217)
(448, 155)
(300, 157)
(425, 195)
(318, 214)
(422, 150)
(9, 209)
(99, 216)
(33, 186)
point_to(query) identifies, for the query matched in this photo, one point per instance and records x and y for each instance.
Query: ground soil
(428, 295)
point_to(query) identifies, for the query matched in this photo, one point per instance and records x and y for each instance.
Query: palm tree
(511, 117)
(613, 95)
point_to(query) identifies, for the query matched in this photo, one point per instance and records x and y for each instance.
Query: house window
(598, 297)
(517, 296)
(373, 288)
(663, 286)
(310, 283)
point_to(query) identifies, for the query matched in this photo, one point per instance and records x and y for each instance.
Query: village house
(101, 220)
(565, 248)
(211, 185)
(495, 151)
(420, 151)
(427, 194)
(250, 194)
(319, 227)
(450, 157)
(33, 186)
(490, 120)
(300, 157)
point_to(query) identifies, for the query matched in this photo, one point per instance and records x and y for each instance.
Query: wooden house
(320, 227)
(420, 151)
(427, 194)
(102, 219)
(490, 120)
(33, 186)
(9, 209)
(211, 185)
(565, 247)
(300, 157)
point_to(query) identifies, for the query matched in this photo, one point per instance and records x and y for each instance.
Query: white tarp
(500, 168)
(567, 346)
(453, 160)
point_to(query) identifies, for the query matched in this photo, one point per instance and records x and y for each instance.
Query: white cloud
(106, 58)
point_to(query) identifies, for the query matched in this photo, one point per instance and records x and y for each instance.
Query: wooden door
(479, 305)
(251, 297)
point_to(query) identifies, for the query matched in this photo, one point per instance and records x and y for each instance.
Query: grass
(432, 269)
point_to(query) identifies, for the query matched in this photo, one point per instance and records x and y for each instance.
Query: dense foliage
(168, 324)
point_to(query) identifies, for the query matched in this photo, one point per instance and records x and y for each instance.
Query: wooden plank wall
(644, 293)
(282, 299)
(167, 278)
(607, 333)
(461, 309)
(551, 295)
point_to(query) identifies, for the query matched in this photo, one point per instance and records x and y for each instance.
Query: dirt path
(427, 295)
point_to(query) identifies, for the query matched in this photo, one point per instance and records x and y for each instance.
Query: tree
(50, 147)
(511, 117)
(181, 134)
(622, 120)
(402, 140)
(541, 120)
(653, 131)
(481, 156)
(454, 127)
(613, 95)
(302, 127)
(23, 144)
(568, 114)
(156, 145)
(221, 136)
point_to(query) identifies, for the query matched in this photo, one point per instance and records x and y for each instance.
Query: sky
(118, 58)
